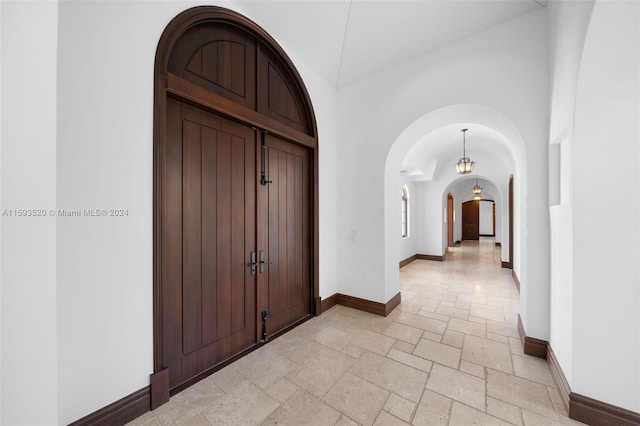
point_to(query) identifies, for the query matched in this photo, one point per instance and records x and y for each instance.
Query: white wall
(28, 170)
(89, 301)
(498, 69)
(486, 218)
(606, 291)
(567, 26)
(461, 190)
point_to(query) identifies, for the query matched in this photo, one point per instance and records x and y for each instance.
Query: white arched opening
(503, 154)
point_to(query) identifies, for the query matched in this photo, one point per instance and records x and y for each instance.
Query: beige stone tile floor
(448, 355)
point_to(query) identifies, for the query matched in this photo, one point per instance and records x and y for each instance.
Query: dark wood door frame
(450, 228)
(511, 222)
(257, 114)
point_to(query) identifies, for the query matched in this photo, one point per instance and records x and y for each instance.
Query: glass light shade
(465, 166)
(476, 189)
(477, 197)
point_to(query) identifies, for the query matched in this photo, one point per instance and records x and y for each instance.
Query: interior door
(208, 232)
(471, 220)
(284, 235)
(450, 241)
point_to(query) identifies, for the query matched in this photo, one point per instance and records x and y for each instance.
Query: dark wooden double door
(471, 220)
(231, 246)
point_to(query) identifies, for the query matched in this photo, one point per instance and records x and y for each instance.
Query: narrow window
(405, 212)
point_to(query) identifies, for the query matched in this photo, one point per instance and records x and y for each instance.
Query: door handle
(252, 264)
(261, 261)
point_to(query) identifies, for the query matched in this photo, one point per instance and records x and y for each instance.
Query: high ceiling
(345, 41)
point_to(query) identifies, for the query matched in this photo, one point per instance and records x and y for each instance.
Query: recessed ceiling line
(344, 41)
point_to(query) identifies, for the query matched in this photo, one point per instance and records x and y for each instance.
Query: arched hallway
(449, 354)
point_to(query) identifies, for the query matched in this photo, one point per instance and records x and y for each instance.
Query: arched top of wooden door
(226, 62)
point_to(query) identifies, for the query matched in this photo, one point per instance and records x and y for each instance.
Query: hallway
(450, 354)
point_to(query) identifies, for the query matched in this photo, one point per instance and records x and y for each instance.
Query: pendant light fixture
(465, 165)
(477, 189)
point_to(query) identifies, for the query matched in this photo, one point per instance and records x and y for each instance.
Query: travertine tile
(488, 353)
(403, 332)
(440, 317)
(346, 421)
(467, 327)
(462, 305)
(400, 407)
(516, 346)
(533, 419)
(264, 367)
(333, 338)
(498, 338)
(197, 421)
(462, 415)
(410, 360)
(433, 410)
(520, 392)
(437, 352)
(424, 323)
(227, 379)
(374, 342)
(303, 409)
(412, 308)
(532, 368)
(432, 336)
(504, 411)
(444, 346)
(453, 312)
(282, 390)
(319, 369)
(357, 398)
(502, 329)
(453, 338)
(403, 346)
(202, 394)
(386, 419)
(473, 369)
(391, 375)
(460, 386)
(492, 313)
(353, 351)
(247, 404)
(425, 302)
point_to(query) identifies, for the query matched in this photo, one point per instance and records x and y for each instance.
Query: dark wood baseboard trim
(457, 243)
(159, 388)
(382, 309)
(392, 304)
(430, 257)
(498, 244)
(532, 346)
(329, 302)
(535, 347)
(487, 235)
(585, 409)
(594, 412)
(408, 260)
(505, 265)
(515, 279)
(562, 385)
(120, 412)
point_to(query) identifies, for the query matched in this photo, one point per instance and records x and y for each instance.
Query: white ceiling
(438, 152)
(345, 41)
